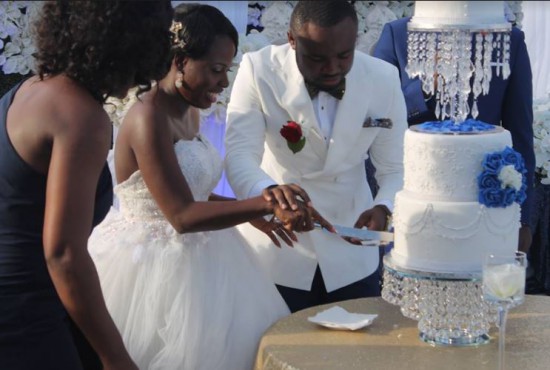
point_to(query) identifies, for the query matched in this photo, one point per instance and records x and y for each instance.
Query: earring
(179, 79)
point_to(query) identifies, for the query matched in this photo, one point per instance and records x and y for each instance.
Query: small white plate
(338, 318)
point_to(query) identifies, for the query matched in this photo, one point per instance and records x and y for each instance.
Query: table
(392, 342)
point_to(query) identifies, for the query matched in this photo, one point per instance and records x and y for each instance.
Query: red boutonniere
(292, 132)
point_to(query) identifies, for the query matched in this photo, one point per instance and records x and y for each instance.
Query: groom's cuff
(257, 190)
(259, 187)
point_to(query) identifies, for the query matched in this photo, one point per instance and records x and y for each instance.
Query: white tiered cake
(461, 14)
(460, 197)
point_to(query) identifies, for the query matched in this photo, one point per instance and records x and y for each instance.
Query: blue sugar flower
(498, 182)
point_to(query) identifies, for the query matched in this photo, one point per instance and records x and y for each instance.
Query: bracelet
(389, 218)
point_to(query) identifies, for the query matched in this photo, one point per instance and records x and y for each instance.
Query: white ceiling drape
(536, 25)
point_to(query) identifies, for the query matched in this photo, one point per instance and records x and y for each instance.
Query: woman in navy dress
(54, 182)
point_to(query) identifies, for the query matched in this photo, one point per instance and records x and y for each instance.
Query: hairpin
(175, 29)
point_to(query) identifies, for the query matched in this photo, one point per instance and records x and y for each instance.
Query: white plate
(338, 318)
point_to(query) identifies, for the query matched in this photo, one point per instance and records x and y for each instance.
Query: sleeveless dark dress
(35, 330)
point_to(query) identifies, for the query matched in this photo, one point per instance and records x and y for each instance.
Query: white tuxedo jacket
(269, 91)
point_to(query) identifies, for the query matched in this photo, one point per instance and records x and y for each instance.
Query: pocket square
(378, 122)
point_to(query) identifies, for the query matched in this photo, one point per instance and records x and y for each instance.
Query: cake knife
(370, 237)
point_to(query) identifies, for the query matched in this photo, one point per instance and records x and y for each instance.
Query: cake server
(367, 237)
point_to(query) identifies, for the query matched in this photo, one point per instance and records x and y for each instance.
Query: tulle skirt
(183, 301)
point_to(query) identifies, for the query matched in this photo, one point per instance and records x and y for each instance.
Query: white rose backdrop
(271, 16)
(541, 130)
(267, 24)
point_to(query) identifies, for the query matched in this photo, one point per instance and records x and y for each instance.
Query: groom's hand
(375, 218)
(286, 196)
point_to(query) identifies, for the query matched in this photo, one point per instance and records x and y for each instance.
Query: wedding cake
(458, 14)
(463, 186)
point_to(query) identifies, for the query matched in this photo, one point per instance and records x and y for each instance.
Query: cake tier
(462, 14)
(450, 236)
(446, 166)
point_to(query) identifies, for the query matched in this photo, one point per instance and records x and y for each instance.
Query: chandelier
(453, 47)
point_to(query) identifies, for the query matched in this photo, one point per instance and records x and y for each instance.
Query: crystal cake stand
(449, 307)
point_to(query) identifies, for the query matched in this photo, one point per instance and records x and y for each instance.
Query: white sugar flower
(510, 177)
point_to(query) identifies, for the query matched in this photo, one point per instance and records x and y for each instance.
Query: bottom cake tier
(437, 236)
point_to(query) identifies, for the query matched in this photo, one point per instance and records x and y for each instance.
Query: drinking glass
(503, 288)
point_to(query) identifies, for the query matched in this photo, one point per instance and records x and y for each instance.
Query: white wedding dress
(182, 301)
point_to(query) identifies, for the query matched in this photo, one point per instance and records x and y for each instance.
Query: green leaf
(296, 147)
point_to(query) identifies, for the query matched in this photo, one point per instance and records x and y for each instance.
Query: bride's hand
(274, 229)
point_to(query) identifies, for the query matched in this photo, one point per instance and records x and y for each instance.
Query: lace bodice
(201, 165)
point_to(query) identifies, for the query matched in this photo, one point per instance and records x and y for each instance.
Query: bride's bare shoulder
(145, 113)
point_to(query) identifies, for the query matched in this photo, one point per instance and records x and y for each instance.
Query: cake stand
(449, 307)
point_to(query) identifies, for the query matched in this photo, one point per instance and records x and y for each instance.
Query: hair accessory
(175, 29)
(179, 80)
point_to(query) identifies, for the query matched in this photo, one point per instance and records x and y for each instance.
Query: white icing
(459, 12)
(451, 236)
(439, 224)
(446, 167)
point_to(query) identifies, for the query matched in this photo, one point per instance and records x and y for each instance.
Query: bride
(184, 297)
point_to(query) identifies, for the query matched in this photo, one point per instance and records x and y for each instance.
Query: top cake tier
(459, 14)
(442, 163)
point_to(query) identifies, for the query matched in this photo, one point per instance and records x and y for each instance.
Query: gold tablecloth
(392, 342)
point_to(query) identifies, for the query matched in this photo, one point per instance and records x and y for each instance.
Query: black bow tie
(337, 92)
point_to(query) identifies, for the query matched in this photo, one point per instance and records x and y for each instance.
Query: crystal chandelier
(453, 47)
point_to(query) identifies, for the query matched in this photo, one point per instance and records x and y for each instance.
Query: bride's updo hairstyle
(106, 46)
(194, 30)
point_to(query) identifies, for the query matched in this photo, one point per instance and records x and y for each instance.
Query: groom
(308, 112)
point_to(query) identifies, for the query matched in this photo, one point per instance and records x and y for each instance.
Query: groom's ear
(291, 39)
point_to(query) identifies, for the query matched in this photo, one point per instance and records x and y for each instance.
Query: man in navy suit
(509, 102)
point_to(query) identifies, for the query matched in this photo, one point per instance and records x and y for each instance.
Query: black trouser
(298, 299)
